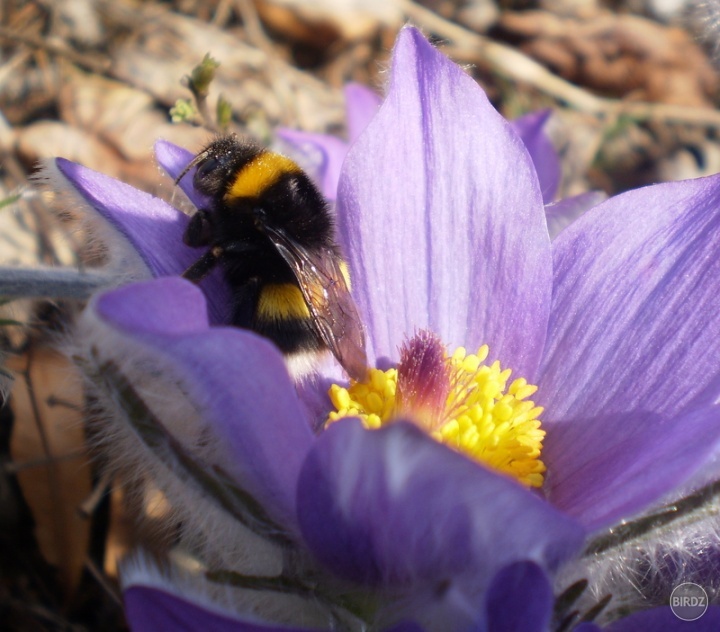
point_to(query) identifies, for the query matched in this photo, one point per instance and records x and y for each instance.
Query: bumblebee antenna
(201, 156)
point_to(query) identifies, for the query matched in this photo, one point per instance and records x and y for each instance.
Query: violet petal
(173, 159)
(237, 380)
(331, 150)
(564, 212)
(634, 317)
(149, 609)
(542, 152)
(153, 227)
(361, 105)
(442, 217)
(393, 506)
(406, 626)
(601, 469)
(520, 599)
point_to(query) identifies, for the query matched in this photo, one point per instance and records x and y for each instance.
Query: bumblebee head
(218, 163)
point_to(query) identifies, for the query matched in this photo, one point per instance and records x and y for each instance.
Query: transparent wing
(335, 316)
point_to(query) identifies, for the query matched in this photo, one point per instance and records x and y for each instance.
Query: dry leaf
(56, 486)
(618, 55)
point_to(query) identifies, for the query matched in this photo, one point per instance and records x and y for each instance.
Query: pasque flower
(398, 524)
(441, 217)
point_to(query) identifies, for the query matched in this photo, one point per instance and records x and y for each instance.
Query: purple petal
(174, 159)
(153, 228)
(442, 217)
(601, 469)
(149, 609)
(406, 626)
(541, 150)
(167, 306)
(564, 212)
(330, 150)
(394, 506)
(663, 620)
(634, 322)
(237, 380)
(361, 105)
(520, 599)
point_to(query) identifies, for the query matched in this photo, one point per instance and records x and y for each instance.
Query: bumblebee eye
(205, 168)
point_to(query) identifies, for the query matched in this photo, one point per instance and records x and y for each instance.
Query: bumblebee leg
(203, 266)
(199, 231)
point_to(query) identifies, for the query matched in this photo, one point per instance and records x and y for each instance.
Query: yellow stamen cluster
(478, 415)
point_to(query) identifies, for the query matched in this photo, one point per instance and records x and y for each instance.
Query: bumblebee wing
(335, 316)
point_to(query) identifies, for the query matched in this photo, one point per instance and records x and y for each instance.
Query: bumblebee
(271, 231)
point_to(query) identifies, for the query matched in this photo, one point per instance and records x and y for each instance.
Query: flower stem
(50, 282)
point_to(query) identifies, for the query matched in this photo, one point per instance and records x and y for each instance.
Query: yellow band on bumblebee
(259, 174)
(281, 301)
